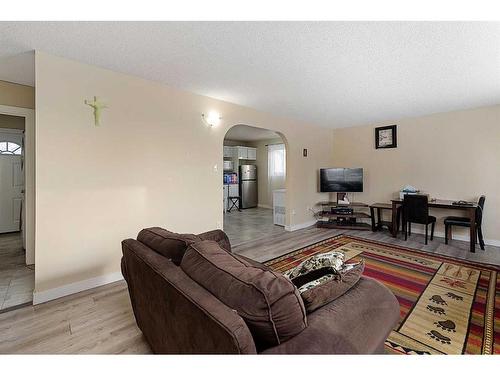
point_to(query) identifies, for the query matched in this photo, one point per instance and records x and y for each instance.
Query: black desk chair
(416, 210)
(465, 222)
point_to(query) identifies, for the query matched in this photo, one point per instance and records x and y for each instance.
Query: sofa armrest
(218, 236)
(176, 314)
(356, 323)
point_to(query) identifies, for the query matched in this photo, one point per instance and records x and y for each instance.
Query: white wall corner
(264, 206)
(79, 286)
(291, 228)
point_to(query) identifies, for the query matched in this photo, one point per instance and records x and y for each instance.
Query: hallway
(17, 280)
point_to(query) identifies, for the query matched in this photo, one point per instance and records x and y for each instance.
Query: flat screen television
(341, 180)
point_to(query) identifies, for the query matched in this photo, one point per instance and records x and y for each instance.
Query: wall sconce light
(211, 119)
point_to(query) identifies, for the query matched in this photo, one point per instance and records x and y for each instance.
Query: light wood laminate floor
(250, 224)
(101, 320)
(17, 281)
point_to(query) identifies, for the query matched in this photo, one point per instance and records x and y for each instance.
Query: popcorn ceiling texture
(334, 74)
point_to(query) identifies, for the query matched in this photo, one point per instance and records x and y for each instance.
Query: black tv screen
(341, 180)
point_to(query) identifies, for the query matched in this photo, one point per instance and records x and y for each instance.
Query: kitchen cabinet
(242, 152)
(228, 151)
(247, 153)
(251, 153)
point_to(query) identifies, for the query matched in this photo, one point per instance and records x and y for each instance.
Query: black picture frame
(394, 143)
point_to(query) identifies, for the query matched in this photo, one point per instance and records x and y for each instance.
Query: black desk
(447, 204)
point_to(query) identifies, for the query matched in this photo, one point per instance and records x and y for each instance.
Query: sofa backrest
(169, 244)
(175, 314)
(173, 245)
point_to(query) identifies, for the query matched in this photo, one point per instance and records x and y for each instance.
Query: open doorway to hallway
(17, 278)
(254, 183)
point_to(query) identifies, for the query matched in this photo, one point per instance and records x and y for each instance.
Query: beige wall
(151, 162)
(17, 95)
(265, 191)
(452, 155)
(230, 142)
(11, 122)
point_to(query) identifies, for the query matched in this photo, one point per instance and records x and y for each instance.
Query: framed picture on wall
(386, 137)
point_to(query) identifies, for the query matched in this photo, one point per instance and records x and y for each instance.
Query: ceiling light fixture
(211, 119)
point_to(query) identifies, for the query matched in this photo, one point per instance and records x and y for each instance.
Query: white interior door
(11, 180)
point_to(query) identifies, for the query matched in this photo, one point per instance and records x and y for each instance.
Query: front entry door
(11, 180)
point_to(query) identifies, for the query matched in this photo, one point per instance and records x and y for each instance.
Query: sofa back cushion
(169, 244)
(267, 301)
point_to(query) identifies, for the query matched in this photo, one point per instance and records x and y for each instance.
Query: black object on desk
(463, 203)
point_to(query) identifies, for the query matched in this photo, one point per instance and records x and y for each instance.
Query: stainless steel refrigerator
(248, 186)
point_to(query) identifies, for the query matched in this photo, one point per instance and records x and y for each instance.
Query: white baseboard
(79, 286)
(459, 237)
(264, 206)
(291, 228)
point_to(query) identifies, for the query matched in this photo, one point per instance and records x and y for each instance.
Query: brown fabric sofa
(179, 316)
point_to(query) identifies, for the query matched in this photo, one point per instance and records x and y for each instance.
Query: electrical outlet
(216, 168)
(293, 212)
(218, 225)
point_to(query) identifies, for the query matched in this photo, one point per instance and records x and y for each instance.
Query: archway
(254, 184)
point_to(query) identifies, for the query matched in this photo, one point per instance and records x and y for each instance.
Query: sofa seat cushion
(268, 302)
(169, 244)
(358, 322)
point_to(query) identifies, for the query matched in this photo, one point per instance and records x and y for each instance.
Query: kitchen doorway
(254, 183)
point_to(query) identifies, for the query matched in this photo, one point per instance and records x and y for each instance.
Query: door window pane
(10, 148)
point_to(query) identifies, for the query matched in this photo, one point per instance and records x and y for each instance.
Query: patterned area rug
(448, 306)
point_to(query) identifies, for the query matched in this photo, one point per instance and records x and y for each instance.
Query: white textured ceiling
(249, 133)
(333, 74)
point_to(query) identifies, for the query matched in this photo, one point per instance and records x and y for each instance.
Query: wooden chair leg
(398, 218)
(405, 228)
(446, 229)
(432, 230)
(409, 228)
(426, 232)
(480, 237)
